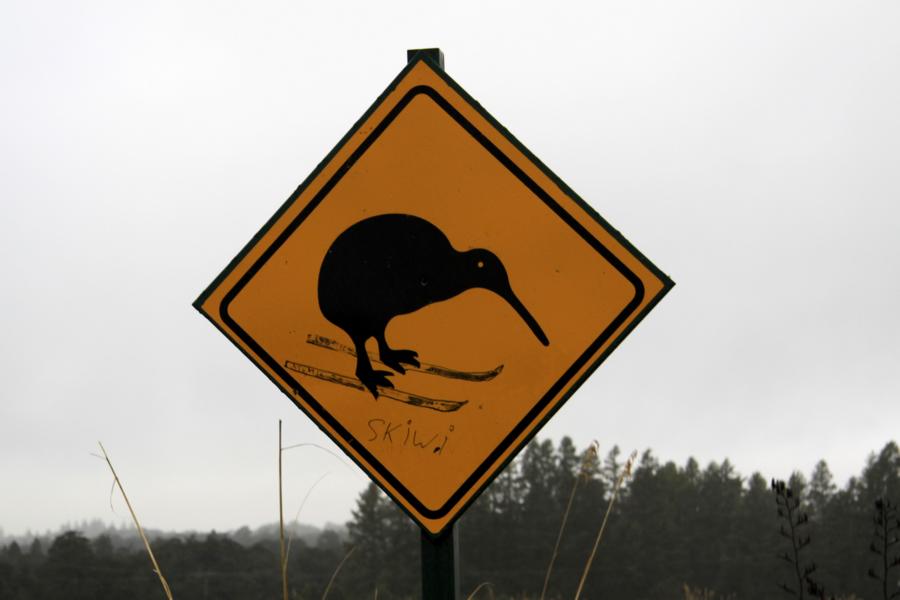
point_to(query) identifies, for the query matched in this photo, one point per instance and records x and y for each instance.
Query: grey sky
(751, 149)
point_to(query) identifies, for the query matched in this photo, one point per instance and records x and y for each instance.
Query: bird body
(396, 264)
(383, 267)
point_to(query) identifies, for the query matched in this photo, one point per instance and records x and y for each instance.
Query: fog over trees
(704, 527)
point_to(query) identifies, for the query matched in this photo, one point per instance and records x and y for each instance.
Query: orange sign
(431, 295)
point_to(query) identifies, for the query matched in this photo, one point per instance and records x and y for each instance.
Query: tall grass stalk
(582, 472)
(290, 537)
(485, 584)
(287, 539)
(626, 472)
(338, 570)
(284, 581)
(118, 482)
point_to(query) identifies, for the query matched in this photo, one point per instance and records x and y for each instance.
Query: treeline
(672, 525)
(125, 536)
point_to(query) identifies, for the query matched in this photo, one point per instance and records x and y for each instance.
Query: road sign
(431, 294)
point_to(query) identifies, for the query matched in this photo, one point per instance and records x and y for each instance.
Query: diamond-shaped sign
(431, 295)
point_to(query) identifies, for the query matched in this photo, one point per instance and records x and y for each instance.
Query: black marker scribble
(392, 393)
(429, 369)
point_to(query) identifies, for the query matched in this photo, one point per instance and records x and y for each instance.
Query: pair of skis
(392, 393)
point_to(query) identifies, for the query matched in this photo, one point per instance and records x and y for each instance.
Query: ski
(429, 369)
(383, 392)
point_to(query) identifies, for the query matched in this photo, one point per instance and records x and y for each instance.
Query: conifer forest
(674, 532)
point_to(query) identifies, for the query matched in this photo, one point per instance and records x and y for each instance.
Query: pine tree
(719, 503)
(843, 530)
(587, 510)
(630, 544)
(886, 537)
(368, 534)
(611, 467)
(753, 567)
(566, 470)
(540, 511)
(490, 533)
(821, 490)
(402, 563)
(69, 568)
(881, 476)
(36, 551)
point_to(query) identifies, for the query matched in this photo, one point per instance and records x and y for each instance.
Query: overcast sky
(751, 149)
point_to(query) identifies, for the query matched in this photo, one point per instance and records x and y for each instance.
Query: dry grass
(626, 472)
(118, 483)
(591, 453)
(286, 547)
(283, 563)
(296, 520)
(489, 586)
(338, 570)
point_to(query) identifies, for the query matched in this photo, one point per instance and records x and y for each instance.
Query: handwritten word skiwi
(405, 434)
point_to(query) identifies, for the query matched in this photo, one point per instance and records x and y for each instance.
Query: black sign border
(289, 382)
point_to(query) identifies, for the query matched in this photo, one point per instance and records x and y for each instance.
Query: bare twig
(118, 482)
(625, 473)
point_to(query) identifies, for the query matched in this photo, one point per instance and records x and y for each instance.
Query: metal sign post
(440, 565)
(440, 554)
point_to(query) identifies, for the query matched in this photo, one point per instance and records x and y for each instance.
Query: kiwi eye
(480, 264)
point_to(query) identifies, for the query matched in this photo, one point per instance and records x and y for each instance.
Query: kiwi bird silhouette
(395, 264)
